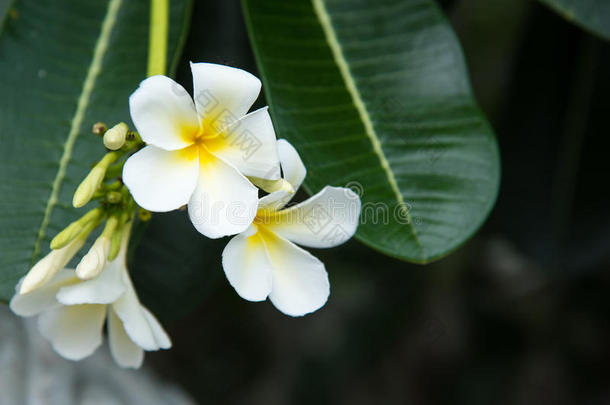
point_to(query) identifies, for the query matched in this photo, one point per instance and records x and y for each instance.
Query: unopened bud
(74, 229)
(49, 266)
(144, 215)
(115, 137)
(117, 237)
(113, 197)
(94, 261)
(87, 188)
(99, 128)
(94, 179)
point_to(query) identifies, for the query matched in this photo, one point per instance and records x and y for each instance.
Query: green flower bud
(144, 215)
(115, 137)
(94, 179)
(74, 229)
(85, 190)
(113, 197)
(117, 236)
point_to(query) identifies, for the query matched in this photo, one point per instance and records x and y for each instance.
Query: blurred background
(519, 315)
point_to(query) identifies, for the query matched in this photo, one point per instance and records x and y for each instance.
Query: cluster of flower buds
(72, 304)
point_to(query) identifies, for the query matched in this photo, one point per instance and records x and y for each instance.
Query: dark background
(519, 315)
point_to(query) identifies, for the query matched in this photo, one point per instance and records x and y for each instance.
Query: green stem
(157, 40)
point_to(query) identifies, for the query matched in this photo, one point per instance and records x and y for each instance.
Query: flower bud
(144, 215)
(92, 264)
(85, 190)
(94, 179)
(114, 197)
(49, 266)
(99, 128)
(74, 229)
(115, 137)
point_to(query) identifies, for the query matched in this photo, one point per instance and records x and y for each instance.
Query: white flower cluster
(209, 153)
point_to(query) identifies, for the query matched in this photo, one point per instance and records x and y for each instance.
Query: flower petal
(159, 180)
(104, 289)
(275, 200)
(293, 172)
(223, 94)
(224, 202)
(129, 310)
(249, 145)
(161, 337)
(327, 219)
(74, 331)
(293, 169)
(300, 281)
(42, 298)
(124, 351)
(247, 265)
(164, 113)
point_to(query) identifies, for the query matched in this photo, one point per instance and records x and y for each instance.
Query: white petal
(42, 298)
(247, 265)
(129, 310)
(164, 113)
(223, 94)
(159, 180)
(250, 146)
(74, 331)
(300, 281)
(327, 219)
(104, 289)
(276, 200)
(125, 352)
(161, 337)
(293, 169)
(224, 202)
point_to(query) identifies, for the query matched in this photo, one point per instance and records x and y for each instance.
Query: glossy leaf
(64, 64)
(375, 96)
(592, 15)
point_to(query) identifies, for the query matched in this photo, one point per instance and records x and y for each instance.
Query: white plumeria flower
(71, 315)
(264, 262)
(199, 152)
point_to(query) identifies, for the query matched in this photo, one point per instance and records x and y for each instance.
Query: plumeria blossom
(264, 262)
(72, 312)
(200, 152)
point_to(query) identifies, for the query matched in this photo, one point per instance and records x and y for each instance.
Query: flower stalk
(157, 42)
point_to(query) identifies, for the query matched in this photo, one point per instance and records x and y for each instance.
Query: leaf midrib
(100, 50)
(343, 66)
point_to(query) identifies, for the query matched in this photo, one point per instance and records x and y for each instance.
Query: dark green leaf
(64, 64)
(592, 15)
(375, 95)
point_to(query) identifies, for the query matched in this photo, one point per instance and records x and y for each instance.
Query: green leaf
(592, 15)
(64, 64)
(375, 95)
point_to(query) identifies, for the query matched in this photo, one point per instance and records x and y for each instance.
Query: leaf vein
(101, 47)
